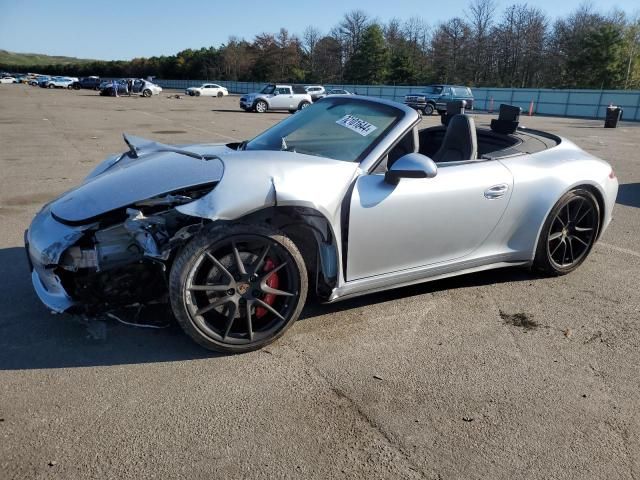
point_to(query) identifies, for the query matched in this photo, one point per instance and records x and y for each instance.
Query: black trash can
(613, 116)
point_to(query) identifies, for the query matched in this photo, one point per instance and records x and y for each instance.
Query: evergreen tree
(370, 62)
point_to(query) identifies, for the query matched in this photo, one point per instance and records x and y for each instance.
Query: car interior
(461, 141)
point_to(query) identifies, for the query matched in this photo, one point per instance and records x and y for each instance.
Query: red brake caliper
(274, 282)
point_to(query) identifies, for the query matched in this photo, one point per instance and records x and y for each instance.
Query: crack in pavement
(371, 422)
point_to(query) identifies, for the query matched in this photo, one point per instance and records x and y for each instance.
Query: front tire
(220, 94)
(236, 288)
(261, 106)
(568, 234)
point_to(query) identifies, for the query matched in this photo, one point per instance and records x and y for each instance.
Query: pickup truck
(436, 97)
(276, 97)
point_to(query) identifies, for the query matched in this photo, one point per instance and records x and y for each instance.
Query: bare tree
(351, 29)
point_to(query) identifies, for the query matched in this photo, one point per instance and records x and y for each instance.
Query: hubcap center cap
(243, 288)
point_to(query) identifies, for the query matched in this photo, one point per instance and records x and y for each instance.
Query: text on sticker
(356, 124)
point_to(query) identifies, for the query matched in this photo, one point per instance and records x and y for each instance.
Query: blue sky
(119, 29)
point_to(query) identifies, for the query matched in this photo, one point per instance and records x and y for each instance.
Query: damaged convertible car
(347, 197)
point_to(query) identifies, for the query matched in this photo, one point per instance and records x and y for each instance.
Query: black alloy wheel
(569, 233)
(238, 288)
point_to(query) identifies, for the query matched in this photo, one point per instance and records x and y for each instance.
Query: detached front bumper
(45, 241)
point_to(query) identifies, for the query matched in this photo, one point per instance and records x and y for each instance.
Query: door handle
(496, 191)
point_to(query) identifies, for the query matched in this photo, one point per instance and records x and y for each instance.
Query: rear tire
(146, 93)
(220, 94)
(568, 233)
(219, 291)
(303, 104)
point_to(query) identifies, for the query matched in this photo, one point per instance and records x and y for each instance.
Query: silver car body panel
(471, 216)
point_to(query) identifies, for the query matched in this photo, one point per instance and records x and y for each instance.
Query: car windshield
(433, 90)
(268, 89)
(339, 128)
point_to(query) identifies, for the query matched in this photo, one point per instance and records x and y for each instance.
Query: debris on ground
(467, 419)
(52, 463)
(177, 97)
(377, 377)
(567, 332)
(521, 319)
(594, 337)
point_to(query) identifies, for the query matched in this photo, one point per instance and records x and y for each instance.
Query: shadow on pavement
(629, 195)
(33, 338)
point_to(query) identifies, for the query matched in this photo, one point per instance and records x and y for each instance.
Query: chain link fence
(555, 102)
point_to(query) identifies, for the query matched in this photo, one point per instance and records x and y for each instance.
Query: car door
(284, 98)
(208, 91)
(424, 221)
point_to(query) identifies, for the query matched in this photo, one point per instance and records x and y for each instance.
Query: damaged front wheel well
(314, 237)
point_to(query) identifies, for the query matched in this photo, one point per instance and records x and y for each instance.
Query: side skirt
(405, 278)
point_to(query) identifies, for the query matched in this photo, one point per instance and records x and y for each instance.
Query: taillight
(612, 174)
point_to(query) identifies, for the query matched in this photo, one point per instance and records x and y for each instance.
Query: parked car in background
(7, 79)
(339, 91)
(58, 82)
(21, 79)
(435, 98)
(207, 90)
(91, 83)
(139, 87)
(316, 91)
(35, 81)
(276, 97)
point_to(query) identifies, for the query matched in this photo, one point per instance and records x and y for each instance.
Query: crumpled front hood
(122, 181)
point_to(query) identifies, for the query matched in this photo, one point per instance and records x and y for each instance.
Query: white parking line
(620, 249)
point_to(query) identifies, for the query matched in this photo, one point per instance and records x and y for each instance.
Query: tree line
(520, 46)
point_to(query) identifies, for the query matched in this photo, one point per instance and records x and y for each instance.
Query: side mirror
(411, 165)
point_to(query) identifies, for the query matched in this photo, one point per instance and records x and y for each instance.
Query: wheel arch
(591, 188)
(312, 233)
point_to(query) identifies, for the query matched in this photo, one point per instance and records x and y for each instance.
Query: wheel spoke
(568, 214)
(557, 246)
(213, 305)
(579, 208)
(582, 229)
(269, 307)
(571, 249)
(236, 255)
(249, 321)
(583, 215)
(564, 252)
(209, 288)
(555, 236)
(220, 266)
(231, 316)
(263, 255)
(271, 272)
(580, 240)
(274, 291)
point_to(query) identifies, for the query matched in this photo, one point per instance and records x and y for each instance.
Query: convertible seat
(460, 142)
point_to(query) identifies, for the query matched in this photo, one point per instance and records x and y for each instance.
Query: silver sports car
(344, 198)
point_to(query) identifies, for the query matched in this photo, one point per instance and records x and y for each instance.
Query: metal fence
(556, 102)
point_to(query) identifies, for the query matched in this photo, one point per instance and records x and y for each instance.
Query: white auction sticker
(357, 125)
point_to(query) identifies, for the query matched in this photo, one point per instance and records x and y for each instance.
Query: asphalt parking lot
(497, 375)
